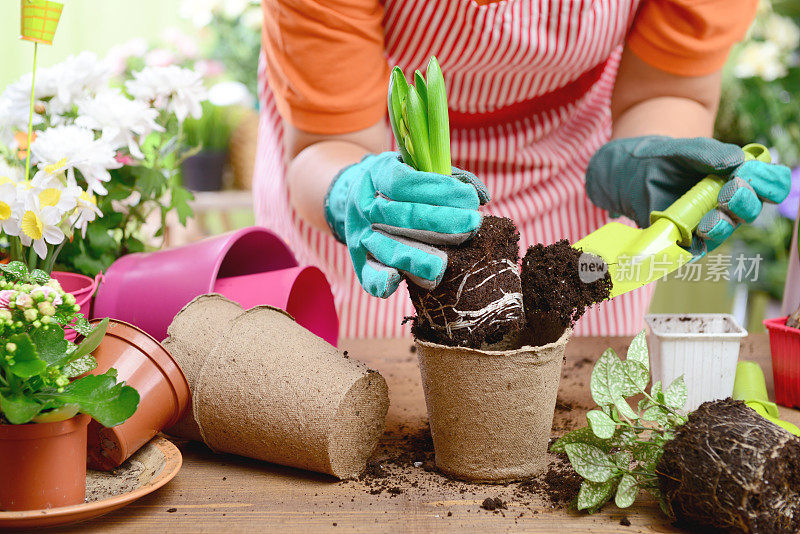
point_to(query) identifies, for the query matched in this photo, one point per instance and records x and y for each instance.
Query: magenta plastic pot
(149, 289)
(82, 288)
(301, 291)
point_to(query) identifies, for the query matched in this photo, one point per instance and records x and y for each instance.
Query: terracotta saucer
(151, 467)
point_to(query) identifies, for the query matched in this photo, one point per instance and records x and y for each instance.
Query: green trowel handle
(789, 427)
(686, 212)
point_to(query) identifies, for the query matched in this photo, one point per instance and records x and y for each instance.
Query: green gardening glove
(639, 175)
(392, 218)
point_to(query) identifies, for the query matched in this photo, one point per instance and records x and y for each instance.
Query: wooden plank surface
(223, 493)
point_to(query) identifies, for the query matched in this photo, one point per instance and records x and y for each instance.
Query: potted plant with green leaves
(722, 467)
(46, 397)
(211, 132)
(483, 381)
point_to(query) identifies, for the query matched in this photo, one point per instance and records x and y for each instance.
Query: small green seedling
(618, 452)
(419, 118)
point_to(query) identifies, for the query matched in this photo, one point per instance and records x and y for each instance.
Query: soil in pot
(731, 470)
(555, 296)
(479, 300)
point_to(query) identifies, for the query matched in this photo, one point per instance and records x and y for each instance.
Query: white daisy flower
(9, 208)
(64, 198)
(175, 89)
(85, 212)
(122, 122)
(39, 225)
(762, 59)
(10, 173)
(80, 150)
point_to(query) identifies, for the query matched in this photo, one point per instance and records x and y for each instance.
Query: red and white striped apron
(529, 87)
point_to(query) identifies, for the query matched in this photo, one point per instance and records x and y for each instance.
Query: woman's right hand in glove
(394, 218)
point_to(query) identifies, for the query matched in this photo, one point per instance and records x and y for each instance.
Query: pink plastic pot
(82, 288)
(302, 291)
(784, 345)
(149, 289)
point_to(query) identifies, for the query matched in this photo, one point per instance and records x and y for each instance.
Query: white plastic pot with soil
(703, 348)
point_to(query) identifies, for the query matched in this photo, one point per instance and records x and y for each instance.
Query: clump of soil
(730, 469)
(493, 503)
(555, 296)
(560, 483)
(479, 300)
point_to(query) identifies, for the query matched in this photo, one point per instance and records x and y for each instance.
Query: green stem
(32, 258)
(668, 408)
(30, 114)
(52, 254)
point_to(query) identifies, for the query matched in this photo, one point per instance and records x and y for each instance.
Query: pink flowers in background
(5, 297)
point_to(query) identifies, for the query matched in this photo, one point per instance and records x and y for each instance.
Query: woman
(549, 100)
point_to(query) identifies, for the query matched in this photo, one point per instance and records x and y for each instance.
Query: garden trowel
(749, 386)
(635, 257)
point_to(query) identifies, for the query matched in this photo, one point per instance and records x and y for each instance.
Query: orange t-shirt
(329, 74)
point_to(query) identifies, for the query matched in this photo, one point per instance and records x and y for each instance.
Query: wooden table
(223, 493)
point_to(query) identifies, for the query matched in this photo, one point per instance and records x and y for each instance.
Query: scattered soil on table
(555, 296)
(493, 503)
(479, 300)
(730, 469)
(625, 522)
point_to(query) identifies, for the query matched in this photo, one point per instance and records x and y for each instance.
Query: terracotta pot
(43, 465)
(491, 412)
(148, 367)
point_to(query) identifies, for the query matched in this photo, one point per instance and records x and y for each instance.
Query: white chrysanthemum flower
(80, 150)
(39, 225)
(77, 77)
(57, 88)
(85, 212)
(782, 31)
(9, 209)
(175, 89)
(122, 122)
(7, 123)
(10, 173)
(762, 59)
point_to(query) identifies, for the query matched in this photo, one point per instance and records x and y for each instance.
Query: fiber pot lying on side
(266, 388)
(44, 409)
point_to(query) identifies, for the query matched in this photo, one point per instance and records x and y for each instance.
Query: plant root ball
(479, 300)
(731, 470)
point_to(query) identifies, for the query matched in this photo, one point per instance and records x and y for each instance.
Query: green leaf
(38, 276)
(80, 366)
(422, 88)
(593, 495)
(438, 118)
(675, 396)
(180, 203)
(627, 491)
(657, 414)
(16, 269)
(582, 435)
(26, 360)
(417, 121)
(591, 462)
(601, 424)
(81, 325)
(624, 408)
(622, 459)
(92, 340)
(636, 378)
(637, 351)
(100, 396)
(19, 409)
(606, 379)
(656, 392)
(50, 343)
(398, 89)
